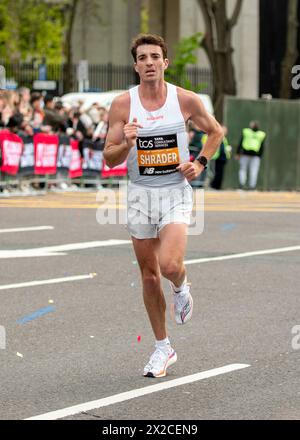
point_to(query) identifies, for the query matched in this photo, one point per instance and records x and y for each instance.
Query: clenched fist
(190, 170)
(130, 132)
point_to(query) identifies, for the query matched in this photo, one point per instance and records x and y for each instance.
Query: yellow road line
(225, 201)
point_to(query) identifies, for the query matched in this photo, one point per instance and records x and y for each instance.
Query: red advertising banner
(75, 169)
(11, 148)
(45, 153)
(118, 171)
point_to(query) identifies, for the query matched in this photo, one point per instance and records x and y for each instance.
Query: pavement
(85, 337)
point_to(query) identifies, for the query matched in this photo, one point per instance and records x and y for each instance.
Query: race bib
(157, 155)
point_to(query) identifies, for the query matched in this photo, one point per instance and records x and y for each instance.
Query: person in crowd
(24, 101)
(6, 109)
(219, 161)
(37, 111)
(195, 146)
(52, 117)
(249, 154)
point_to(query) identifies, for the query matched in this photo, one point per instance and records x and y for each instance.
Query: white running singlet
(162, 143)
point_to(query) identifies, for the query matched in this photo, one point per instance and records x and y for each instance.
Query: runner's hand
(130, 132)
(190, 170)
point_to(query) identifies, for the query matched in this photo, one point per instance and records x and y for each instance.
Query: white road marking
(50, 281)
(20, 253)
(50, 251)
(243, 255)
(32, 228)
(117, 398)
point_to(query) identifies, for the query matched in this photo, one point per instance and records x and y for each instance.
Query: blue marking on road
(36, 314)
(228, 227)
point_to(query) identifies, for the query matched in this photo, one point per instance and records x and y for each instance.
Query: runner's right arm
(121, 136)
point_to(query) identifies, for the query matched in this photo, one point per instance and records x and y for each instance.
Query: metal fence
(280, 119)
(102, 77)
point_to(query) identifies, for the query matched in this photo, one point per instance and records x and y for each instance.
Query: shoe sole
(188, 316)
(163, 373)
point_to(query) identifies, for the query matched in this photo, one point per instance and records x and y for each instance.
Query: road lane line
(243, 255)
(31, 228)
(50, 281)
(50, 251)
(117, 398)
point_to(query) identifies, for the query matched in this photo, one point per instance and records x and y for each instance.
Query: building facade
(103, 30)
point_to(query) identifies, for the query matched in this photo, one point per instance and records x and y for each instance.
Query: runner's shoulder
(120, 106)
(121, 100)
(186, 96)
(189, 102)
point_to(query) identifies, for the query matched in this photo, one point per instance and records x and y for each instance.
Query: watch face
(203, 160)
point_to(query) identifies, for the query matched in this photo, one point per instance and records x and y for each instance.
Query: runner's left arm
(194, 109)
(208, 124)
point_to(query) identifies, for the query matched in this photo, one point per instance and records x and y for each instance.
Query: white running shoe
(159, 362)
(182, 306)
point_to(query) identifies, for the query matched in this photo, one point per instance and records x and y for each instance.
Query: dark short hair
(48, 98)
(58, 105)
(15, 121)
(154, 39)
(35, 96)
(254, 124)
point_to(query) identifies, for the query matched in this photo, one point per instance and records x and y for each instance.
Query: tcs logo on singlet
(145, 143)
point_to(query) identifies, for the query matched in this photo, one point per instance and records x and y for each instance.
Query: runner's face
(150, 63)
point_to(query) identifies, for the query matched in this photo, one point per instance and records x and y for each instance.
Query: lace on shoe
(158, 356)
(181, 308)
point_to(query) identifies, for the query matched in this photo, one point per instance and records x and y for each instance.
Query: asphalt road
(74, 342)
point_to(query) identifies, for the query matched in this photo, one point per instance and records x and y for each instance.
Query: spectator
(7, 109)
(24, 105)
(219, 160)
(37, 113)
(249, 153)
(195, 146)
(52, 117)
(15, 123)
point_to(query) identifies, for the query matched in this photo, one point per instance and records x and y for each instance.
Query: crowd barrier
(49, 159)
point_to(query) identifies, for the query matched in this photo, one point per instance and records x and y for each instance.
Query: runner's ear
(166, 63)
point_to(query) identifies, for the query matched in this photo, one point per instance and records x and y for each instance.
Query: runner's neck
(153, 96)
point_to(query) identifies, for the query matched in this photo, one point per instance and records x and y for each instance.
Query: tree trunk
(144, 16)
(217, 44)
(68, 67)
(291, 53)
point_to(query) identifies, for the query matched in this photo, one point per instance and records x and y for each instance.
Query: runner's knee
(171, 269)
(150, 280)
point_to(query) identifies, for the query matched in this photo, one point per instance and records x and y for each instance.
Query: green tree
(36, 29)
(31, 29)
(185, 55)
(144, 16)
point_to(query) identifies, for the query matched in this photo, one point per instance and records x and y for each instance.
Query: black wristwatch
(202, 160)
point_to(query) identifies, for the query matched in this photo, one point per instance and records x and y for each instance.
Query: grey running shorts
(150, 209)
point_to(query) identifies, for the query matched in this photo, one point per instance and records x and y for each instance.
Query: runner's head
(149, 52)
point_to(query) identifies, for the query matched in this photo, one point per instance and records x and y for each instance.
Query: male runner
(147, 126)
